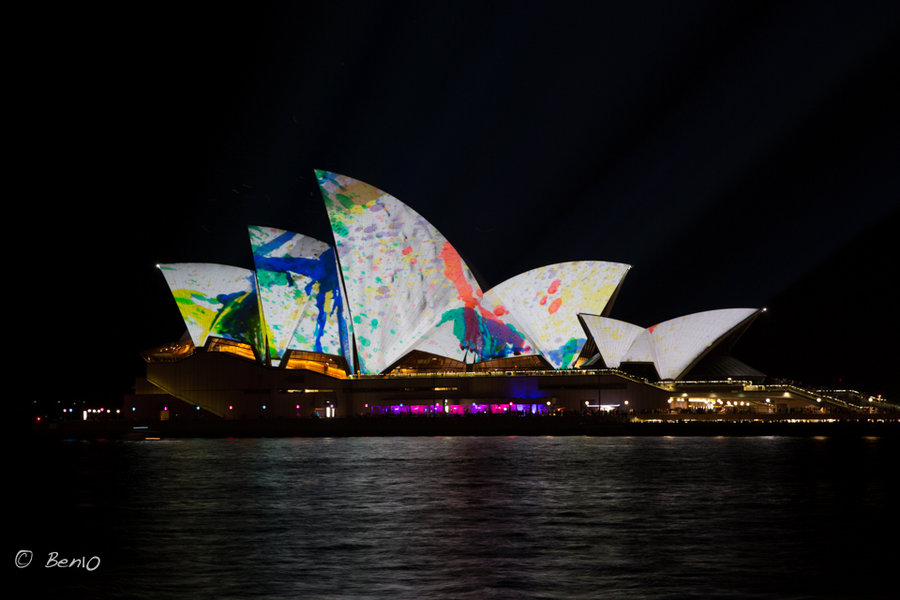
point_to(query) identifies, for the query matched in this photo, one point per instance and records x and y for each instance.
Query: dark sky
(736, 154)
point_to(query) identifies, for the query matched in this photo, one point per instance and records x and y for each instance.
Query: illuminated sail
(300, 293)
(216, 300)
(613, 338)
(407, 286)
(545, 303)
(680, 342)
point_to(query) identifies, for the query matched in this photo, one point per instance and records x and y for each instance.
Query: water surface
(463, 517)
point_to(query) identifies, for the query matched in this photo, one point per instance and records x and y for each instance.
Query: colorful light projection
(216, 300)
(472, 333)
(544, 303)
(511, 408)
(408, 287)
(672, 346)
(300, 293)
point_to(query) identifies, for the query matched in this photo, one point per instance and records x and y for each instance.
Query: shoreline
(457, 426)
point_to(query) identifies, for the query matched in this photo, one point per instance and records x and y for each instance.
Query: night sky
(736, 155)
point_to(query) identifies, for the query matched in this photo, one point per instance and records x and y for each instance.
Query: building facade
(391, 321)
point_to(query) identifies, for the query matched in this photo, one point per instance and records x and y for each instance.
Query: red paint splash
(651, 328)
(407, 250)
(453, 270)
(554, 286)
(554, 306)
(474, 337)
(543, 301)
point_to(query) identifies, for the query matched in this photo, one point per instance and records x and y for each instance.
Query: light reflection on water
(468, 517)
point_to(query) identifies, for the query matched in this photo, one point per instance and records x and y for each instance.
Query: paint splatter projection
(544, 304)
(216, 300)
(408, 287)
(393, 284)
(471, 332)
(300, 293)
(673, 345)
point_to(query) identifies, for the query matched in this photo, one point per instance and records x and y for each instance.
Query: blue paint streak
(321, 270)
(274, 244)
(562, 357)
(485, 338)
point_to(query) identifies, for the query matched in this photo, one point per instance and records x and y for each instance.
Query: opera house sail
(546, 302)
(300, 294)
(408, 286)
(216, 300)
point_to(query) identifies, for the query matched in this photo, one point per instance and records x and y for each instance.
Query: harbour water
(459, 517)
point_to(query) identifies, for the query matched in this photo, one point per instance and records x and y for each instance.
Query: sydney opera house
(391, 320)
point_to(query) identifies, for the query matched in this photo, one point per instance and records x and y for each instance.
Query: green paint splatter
(345, 200)
(565, 354)
(339, 228)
